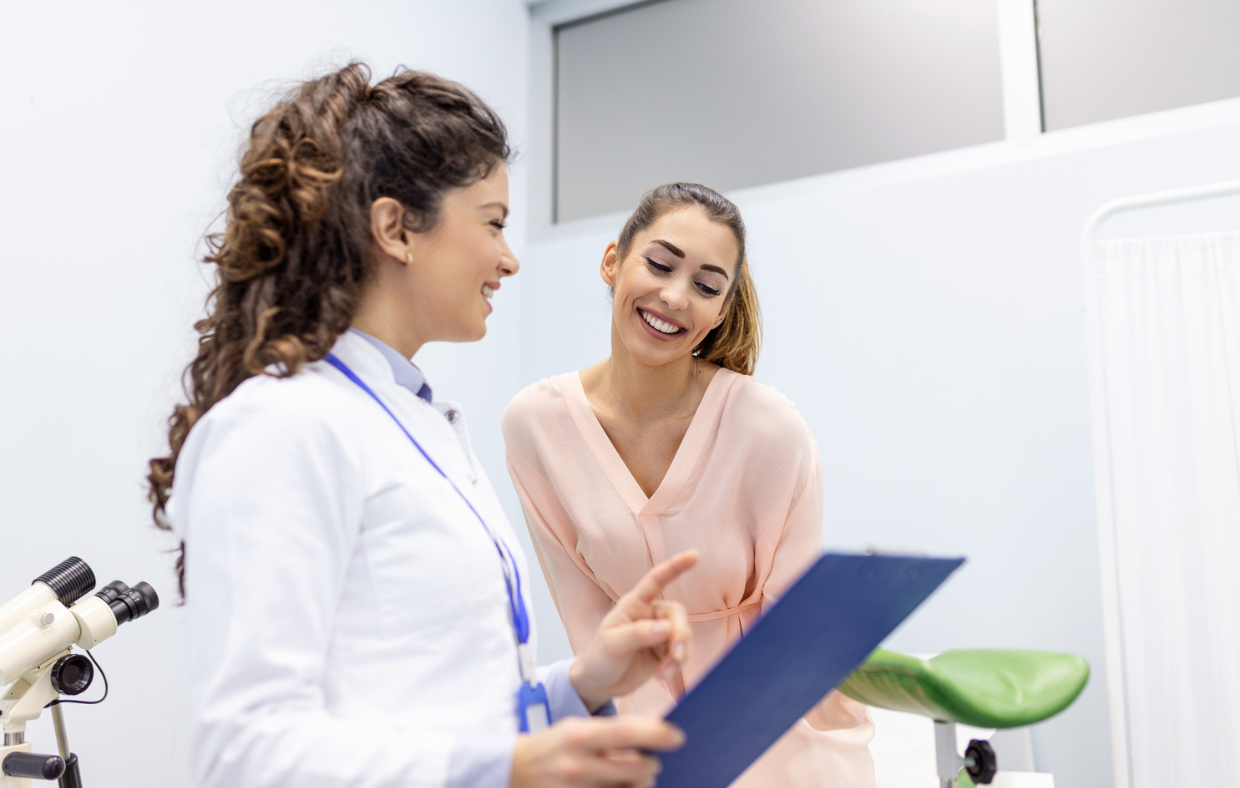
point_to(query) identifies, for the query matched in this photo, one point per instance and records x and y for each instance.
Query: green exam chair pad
(986, 688)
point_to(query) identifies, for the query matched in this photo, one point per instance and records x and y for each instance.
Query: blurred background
(915, 176)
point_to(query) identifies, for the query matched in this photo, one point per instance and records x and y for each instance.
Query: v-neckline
(683, 462)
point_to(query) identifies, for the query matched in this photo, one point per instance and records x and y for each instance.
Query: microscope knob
(33, 766)
(71, 675)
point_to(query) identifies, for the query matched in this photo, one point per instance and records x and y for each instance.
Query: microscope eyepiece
(112, 591)
(71, 579)
(129, 603)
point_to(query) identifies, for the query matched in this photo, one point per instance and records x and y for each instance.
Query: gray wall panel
(1106, 59)
(737, 93)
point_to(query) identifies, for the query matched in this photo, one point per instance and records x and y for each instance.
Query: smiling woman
(668, 444)
(735, 333)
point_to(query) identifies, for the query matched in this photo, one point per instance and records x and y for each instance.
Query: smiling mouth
(659, 325)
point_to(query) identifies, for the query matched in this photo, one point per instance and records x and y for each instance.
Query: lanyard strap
(516, 600)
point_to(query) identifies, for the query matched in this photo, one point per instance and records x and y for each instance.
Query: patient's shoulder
(764, 417)
(536, 406)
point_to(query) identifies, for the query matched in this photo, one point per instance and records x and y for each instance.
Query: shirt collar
(405, 371)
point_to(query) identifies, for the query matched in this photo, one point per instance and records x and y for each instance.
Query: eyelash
(707, 290)
(499, 225)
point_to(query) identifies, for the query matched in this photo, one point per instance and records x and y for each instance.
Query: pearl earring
(408, 258)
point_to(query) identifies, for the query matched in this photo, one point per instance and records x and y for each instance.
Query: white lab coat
(348, 618)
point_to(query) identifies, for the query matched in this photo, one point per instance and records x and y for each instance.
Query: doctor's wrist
(593, 698)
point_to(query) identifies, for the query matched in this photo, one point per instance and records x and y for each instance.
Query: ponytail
(734, 343)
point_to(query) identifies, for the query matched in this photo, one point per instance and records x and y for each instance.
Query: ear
(387, 228)
(610, 265)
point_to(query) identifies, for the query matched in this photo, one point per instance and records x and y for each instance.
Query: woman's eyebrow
(497, 204)
(670, 247)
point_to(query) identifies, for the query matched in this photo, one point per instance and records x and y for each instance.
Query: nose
(508, 263)
(675, 294)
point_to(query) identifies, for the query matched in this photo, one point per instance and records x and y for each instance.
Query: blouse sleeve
(270, 508)
(588, 602)
(800, 542)
(799, 545)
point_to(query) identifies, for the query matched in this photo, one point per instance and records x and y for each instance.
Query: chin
(470, 337)
(643, 353)
(469, 333)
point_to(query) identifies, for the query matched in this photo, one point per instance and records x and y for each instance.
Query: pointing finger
(652, 585)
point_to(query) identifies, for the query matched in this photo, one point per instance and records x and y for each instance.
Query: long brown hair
(734, 343)
(295, 249)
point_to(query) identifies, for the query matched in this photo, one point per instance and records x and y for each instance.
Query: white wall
(119, 128)
(929, 327)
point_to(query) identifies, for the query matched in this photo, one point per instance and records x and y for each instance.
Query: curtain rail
(1156, 200)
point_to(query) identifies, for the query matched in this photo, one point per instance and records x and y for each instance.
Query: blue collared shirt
(406, 372)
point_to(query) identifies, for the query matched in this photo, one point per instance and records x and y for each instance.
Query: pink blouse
(744, 489)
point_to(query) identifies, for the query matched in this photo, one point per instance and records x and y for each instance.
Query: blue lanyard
(531, 693)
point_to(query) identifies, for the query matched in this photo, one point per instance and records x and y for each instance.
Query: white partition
(1167, 399)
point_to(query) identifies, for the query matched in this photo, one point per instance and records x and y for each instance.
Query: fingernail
(678, 651)
(662, 627)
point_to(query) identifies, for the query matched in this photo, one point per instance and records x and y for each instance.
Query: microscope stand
(24, 701)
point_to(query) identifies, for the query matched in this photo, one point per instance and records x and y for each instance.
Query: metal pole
(946, 760)
(62, 739)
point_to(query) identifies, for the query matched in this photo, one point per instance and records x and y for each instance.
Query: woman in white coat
(355, 600)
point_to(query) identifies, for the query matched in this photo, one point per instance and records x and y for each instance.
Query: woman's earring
(408, 258)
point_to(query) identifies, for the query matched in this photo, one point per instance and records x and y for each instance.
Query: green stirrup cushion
(988, 688)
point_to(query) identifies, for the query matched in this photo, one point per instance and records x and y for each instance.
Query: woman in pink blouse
(670, 444)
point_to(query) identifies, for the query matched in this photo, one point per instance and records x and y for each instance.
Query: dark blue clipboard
(840, 610)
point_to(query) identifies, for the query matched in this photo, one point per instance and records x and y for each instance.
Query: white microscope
(38, 629)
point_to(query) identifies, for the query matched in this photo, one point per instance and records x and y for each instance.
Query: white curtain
(1169, 311)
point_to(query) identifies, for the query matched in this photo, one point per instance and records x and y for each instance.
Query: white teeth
(487, 291)
(659, 325)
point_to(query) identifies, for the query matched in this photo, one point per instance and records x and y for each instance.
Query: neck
(386, 321)
(648, 393)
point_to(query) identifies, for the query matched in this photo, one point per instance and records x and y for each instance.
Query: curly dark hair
(296, 247)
